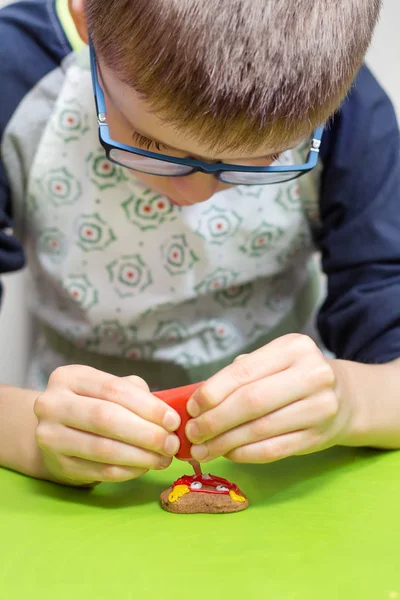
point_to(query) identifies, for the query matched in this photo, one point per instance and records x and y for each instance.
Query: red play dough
(178, 398)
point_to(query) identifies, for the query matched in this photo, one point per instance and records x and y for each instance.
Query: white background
(383, 58)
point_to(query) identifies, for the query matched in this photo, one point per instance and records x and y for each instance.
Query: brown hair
(235, 73)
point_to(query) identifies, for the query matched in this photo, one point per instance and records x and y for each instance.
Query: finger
(84, 471)
(130, 392)
(138, 381)
(313, 412)
(70, 442)
(260, 398)
(273, 358)
(277, 448)
(112, 421)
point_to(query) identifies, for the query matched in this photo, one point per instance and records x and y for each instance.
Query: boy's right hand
(96, 427)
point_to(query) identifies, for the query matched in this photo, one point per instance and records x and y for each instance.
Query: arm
(360, 243)
(373, 391)
(286, 398)
(18, 448)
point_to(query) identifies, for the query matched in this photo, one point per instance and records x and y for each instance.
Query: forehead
(137, 113)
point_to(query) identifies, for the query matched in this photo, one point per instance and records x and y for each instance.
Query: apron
(125, 281)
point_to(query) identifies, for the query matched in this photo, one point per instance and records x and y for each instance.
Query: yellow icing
(178, 492)
(235, 497)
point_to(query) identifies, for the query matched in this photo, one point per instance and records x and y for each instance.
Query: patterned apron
(127, 282)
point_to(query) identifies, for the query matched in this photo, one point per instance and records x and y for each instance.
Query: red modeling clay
(178, 398)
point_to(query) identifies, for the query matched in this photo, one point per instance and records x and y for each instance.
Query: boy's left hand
(278, 401)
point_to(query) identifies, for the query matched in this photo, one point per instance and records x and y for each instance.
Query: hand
(96, 427)
(278, 401)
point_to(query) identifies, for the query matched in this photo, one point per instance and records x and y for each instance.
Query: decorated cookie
(203, 494)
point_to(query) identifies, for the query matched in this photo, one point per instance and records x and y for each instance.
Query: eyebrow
(156, 141)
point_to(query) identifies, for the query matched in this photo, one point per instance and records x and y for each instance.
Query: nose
(195, 188)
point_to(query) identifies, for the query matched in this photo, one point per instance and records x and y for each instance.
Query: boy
(174, 261)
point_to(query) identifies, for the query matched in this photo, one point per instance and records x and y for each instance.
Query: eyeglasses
(154, 163)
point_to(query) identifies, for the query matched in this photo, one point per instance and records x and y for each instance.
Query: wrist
(370, 394)
(351, 378)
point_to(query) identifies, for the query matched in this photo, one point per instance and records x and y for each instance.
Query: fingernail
(171, 446)
(200, 452)
(193, 433)
(164, 463)
(193, 408)
(171, 421)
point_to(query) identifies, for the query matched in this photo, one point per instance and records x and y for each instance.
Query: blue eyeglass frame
(197, 165)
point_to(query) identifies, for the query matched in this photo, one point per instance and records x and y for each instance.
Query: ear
(77, 10)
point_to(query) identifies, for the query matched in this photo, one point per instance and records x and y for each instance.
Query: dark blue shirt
(359, 196)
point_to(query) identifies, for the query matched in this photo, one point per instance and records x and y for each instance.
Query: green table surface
(325, 526)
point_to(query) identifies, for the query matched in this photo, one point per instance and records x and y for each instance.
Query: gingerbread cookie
(203, 494)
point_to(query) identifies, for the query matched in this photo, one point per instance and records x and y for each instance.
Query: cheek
(157, 184)
(224, 186)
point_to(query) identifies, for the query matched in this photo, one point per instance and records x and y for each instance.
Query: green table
(325, 526)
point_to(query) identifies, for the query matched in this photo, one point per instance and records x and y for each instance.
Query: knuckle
(303, 344)
(41, 406)
(66, 466)
(157, 439)
(60, 376)
(139, 382)
(102, 416)
(208, 425)
(259, 428)
(275, 450)
(114, 389)
(113, 473)
(102, 448)
(242, 371)
(255, 400)
(44, 437)
(324, 374)
(321, 374)
(330, 406)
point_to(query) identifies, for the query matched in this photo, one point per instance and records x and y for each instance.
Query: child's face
(129, 119)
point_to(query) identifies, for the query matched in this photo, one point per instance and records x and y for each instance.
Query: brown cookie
(202, 502)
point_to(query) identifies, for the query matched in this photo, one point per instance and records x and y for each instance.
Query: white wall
(383, 58)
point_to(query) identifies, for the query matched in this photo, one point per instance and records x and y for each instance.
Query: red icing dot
(211, 481)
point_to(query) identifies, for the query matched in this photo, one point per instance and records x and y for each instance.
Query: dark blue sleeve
(360, 235)
(31, 45)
